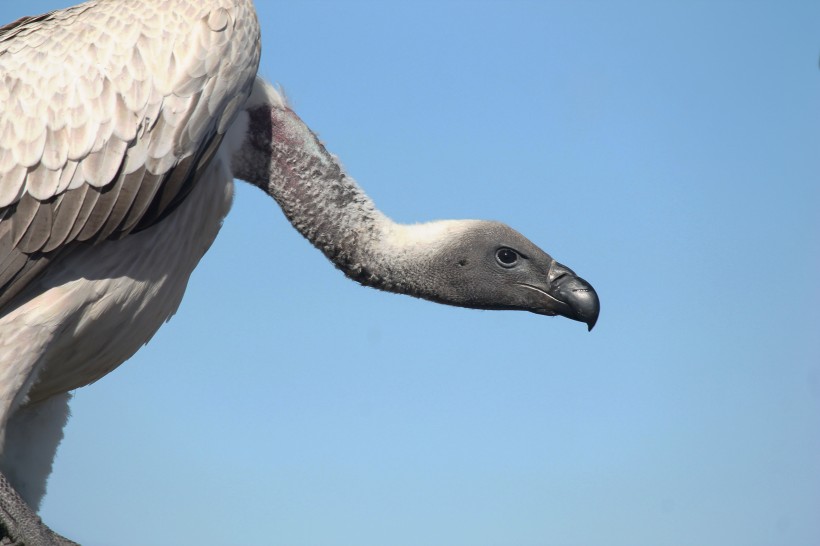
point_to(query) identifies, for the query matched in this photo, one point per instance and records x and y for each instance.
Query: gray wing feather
(30, 224)
(101, 212)
(89, 201)
(126, 193)
(67, 209)
(146, 192)
(21, 217)
(13, 264)
(107, 117)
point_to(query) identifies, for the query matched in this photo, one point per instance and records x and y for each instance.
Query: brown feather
(22, 215)
(102, 211)
(147, 185)
(90, 197)
(67, 209)
(39, 229)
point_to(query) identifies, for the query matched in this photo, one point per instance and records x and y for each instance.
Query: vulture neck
(283, 157)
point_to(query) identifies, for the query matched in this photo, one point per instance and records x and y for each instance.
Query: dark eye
(507, 257)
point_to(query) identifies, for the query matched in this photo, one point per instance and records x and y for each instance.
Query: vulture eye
(507, 257)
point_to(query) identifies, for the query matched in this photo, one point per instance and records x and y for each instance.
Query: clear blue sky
(668, 152)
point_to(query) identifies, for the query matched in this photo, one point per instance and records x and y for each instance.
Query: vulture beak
(568, 295)
(575, 297)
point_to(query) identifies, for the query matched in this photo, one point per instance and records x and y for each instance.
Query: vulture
(123, 124)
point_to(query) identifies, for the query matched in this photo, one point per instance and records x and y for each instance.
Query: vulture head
(488, 265)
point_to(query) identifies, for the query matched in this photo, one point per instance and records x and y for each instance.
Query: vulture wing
(108, 112)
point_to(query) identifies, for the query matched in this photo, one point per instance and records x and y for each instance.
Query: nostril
(558, 271)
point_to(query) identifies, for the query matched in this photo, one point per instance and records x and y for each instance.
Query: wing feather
(101, 167)
(35, 227)
(7, 161)
(12, 186)
(21, 217)
(126, 193)
(146, 191)
(55, 155)
(13, 262)
(67, 208)
(102, 210)
(39, 230)
(42, 182)
(6, 247)
(108, 112)
(30, 138)
(90, 195)
(67, 175)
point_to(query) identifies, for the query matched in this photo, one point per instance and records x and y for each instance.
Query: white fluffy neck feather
(426, 236)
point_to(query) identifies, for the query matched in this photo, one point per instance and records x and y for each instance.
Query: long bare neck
(283, 157)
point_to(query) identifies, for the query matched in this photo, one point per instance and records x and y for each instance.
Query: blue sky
(668, 152)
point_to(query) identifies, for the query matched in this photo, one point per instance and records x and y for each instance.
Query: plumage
(11, 190)
(65, 214)
(36, 230)
(88, 196)
(96, 143)
(101, 212)
(21, 218)
(123, 123)
(12, 260)
(144, 195)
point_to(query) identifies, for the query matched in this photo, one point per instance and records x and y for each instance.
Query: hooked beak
(569, 295)
(576, 297)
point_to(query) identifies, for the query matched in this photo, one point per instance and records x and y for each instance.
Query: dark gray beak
(576, 299)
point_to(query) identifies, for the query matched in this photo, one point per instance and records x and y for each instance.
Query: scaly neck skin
(283, 157)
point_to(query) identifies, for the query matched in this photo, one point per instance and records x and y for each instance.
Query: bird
(123, 125)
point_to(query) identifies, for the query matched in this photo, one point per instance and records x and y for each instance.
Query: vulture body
(122, 126)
